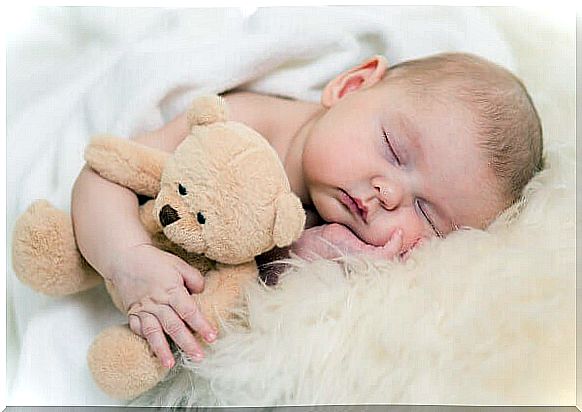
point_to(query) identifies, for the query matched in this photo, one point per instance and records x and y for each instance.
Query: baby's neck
(284, 123)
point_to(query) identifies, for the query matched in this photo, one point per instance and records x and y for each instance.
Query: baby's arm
(153, 285)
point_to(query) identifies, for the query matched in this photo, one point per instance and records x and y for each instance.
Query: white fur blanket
(482, 317)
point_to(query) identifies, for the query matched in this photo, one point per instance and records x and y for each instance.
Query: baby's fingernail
(397, 233)
(211, 337)
(169, 363)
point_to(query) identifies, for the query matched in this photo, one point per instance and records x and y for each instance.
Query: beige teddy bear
(221, 199)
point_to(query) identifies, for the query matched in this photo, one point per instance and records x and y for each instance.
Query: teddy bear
(221, 199)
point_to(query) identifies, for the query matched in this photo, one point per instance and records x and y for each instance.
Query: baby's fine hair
(505, 117)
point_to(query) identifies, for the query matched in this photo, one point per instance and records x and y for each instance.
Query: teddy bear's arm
(128, 163)
(223, 289)
(147, 218)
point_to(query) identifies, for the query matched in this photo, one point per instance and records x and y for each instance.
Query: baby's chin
(342, 235)
(355, 239)
(368, 238)
(343, 229)
(331, 211)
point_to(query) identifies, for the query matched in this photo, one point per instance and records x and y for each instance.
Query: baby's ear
(364, 75)
(289, 220)
(207, 110)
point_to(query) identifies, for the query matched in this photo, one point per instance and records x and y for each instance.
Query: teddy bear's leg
(122, 364)
(45, 254)
(223, 290)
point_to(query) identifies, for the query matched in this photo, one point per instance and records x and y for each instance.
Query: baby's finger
(193, 279)
(394, 245)
(189, 311)
(135, 324)
(404, 255)
(151, 330)
(180, 334)
(391, 249)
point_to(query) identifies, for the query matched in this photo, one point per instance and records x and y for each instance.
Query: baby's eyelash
(432, 225)
(387, 140)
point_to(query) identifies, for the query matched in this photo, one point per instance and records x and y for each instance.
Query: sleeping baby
(389, 158)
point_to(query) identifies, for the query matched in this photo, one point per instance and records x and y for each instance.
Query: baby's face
(382, 158)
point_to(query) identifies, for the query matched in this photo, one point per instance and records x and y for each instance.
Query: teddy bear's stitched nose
(168, 215)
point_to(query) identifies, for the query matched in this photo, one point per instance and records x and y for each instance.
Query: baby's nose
(168, 215)
(390, 195)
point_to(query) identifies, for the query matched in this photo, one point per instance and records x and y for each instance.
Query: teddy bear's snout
(168, 215)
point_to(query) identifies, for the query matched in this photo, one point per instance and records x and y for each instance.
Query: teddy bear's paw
(122, 363)
(206, 110)
(45, 255)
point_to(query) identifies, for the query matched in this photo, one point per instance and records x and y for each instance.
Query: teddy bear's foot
(45, 255)
(122, 363)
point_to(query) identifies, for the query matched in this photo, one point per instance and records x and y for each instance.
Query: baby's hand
(155, 287)
(332, 240)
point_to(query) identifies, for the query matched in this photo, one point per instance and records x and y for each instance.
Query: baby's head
(427, 146)
(505, 120)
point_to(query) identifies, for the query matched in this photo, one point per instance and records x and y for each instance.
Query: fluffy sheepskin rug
(481, 318)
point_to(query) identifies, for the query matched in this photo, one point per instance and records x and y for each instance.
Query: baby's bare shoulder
(248, 108)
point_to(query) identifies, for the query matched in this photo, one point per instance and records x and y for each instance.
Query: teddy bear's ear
(206, 110)
(289, 220)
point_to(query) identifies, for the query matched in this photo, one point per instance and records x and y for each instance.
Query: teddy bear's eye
(182, 190)
(200, 217)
